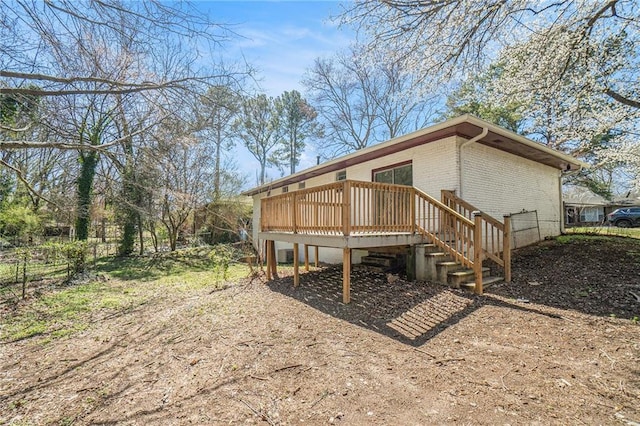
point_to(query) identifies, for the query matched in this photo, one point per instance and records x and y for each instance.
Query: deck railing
(496, 236)
(365, 208)
(448, 229)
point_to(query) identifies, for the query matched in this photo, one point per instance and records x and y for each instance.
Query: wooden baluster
(295, 213)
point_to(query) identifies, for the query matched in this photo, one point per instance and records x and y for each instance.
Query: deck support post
(346, 275)
(506, 248)
(477, 251)
(315, 256)
(274, 259)
(267, 249)
(296, 266)
(306, 258)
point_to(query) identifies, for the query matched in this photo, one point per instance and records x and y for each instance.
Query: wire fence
(52, 261)
(29, 268)
(525, 228)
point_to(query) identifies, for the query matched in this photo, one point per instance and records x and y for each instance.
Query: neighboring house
(482, 166)
(583, 208)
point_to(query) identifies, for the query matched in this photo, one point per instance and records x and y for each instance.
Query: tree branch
(622, 99)
(70, 146)
(22, 179)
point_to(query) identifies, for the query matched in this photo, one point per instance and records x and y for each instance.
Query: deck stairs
(432, 264)
(384, 260)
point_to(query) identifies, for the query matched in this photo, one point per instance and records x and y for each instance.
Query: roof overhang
(466, 126)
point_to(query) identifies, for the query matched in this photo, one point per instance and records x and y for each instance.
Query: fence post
(24, 274)
(477, 251)
(506, 248)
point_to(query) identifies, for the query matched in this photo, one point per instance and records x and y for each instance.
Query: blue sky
(281, 39)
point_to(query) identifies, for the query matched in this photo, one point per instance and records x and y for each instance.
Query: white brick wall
(500, 183)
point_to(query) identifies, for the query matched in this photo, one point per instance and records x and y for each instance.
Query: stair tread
(466, 272)
(486, 281)
(436, 253)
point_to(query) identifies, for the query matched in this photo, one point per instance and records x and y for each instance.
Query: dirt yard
(559, 345)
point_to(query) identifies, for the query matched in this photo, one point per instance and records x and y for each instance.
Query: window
(341, 175)
(591, 214)
(401, 174)
(301, 185)
(285, 189)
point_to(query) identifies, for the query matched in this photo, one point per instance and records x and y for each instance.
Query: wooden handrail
(447, 228)
(496, 241)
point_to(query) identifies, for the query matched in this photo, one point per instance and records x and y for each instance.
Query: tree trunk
(141, 235)
(88, 161)
(262, 172)
(216, 176)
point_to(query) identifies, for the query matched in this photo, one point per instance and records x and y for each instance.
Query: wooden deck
(360, 215)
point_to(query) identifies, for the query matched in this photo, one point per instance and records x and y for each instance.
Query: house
(584, 208)
(417, 190)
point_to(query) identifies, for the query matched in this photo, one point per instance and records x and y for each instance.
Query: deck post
(346, 207)
(274, 259)
(315, 256)
(346, 275)
(306, 258)
(506, 248)
(267, 249)
(477, 251)
(296, 266)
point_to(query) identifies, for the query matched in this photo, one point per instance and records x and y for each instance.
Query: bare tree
(362, 103)
(220, 106)
(35, 33)
(185, 183)
(108, 72)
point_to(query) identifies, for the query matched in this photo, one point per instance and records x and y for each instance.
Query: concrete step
(429, 267)
(444, 268)
(455, 278)
(486, 282)
(430, 248)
